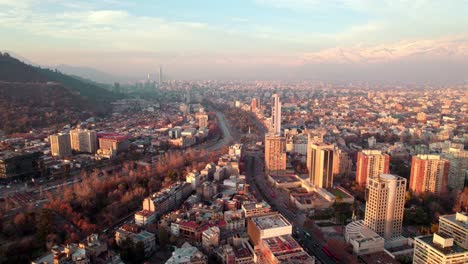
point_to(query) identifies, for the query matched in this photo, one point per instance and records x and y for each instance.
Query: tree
(44, 226)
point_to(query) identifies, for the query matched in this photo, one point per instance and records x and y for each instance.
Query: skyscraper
(385, 202)
(253, 105)
(160, 79)
(275, 144)
(371, 163)
(275, 153)
(429, 173)
(458, 159)
(276, 114)
(320, 163)
(83, 140)
(60, 145)
(202, 119)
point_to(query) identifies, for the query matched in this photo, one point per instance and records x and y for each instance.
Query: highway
(227, 136)
(256, 180)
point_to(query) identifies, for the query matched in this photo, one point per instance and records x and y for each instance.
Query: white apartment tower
(83, 140)
(385, 196)
(276, 115)
(60, 145)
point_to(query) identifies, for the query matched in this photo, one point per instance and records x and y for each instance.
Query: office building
(276, 114)
(458, 159)
(320, 164)
(83, 140)
(385, 201)
(370, 164)
(60, 145)
(275, 153)
(448, 246)
(429, 173)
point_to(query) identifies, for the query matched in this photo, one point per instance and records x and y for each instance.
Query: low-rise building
(363, 239)
(210, 237)
(187, 254)
(144, 217)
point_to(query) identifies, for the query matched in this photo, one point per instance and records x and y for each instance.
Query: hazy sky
(238, 39)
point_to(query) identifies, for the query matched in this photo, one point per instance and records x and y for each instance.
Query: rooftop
(281, 245)
(270, 221)
(445, 251)
(459, 219)
(145, 213)
(184, 254)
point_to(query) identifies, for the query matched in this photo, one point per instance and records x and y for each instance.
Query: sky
(407, 40)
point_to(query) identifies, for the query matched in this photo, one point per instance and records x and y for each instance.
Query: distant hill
(92, 74)
(33, 97)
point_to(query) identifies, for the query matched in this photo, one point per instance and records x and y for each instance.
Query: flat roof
(282, 244)
(453, 219)
(270, 221)
(455, 249)
(145, 213)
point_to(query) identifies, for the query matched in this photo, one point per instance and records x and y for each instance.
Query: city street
(256, 179)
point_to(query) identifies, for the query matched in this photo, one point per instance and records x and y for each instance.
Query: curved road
(227, 136)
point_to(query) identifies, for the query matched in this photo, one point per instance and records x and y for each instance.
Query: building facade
(83, 140)
(276, 114)
(320, 164)
(385, 201)
(458, 159)
(60, 145)
(275, 153)
(370, 164)
(448, 246)
(429, 173)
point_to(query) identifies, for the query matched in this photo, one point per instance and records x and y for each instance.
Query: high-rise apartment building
(60, 145)
(320, 164)
(429, 173)
(202, 119)
(83, 140)
(275, 153)
(370, 164)
(275, 144)
(276, 114)
(458, 159)
(160, 79)
(448, 246)
(385, 201)
(253, 105)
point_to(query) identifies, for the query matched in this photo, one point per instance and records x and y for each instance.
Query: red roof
(191, 224)
(112, 136)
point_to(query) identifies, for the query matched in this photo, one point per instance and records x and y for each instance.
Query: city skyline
(258, 39)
